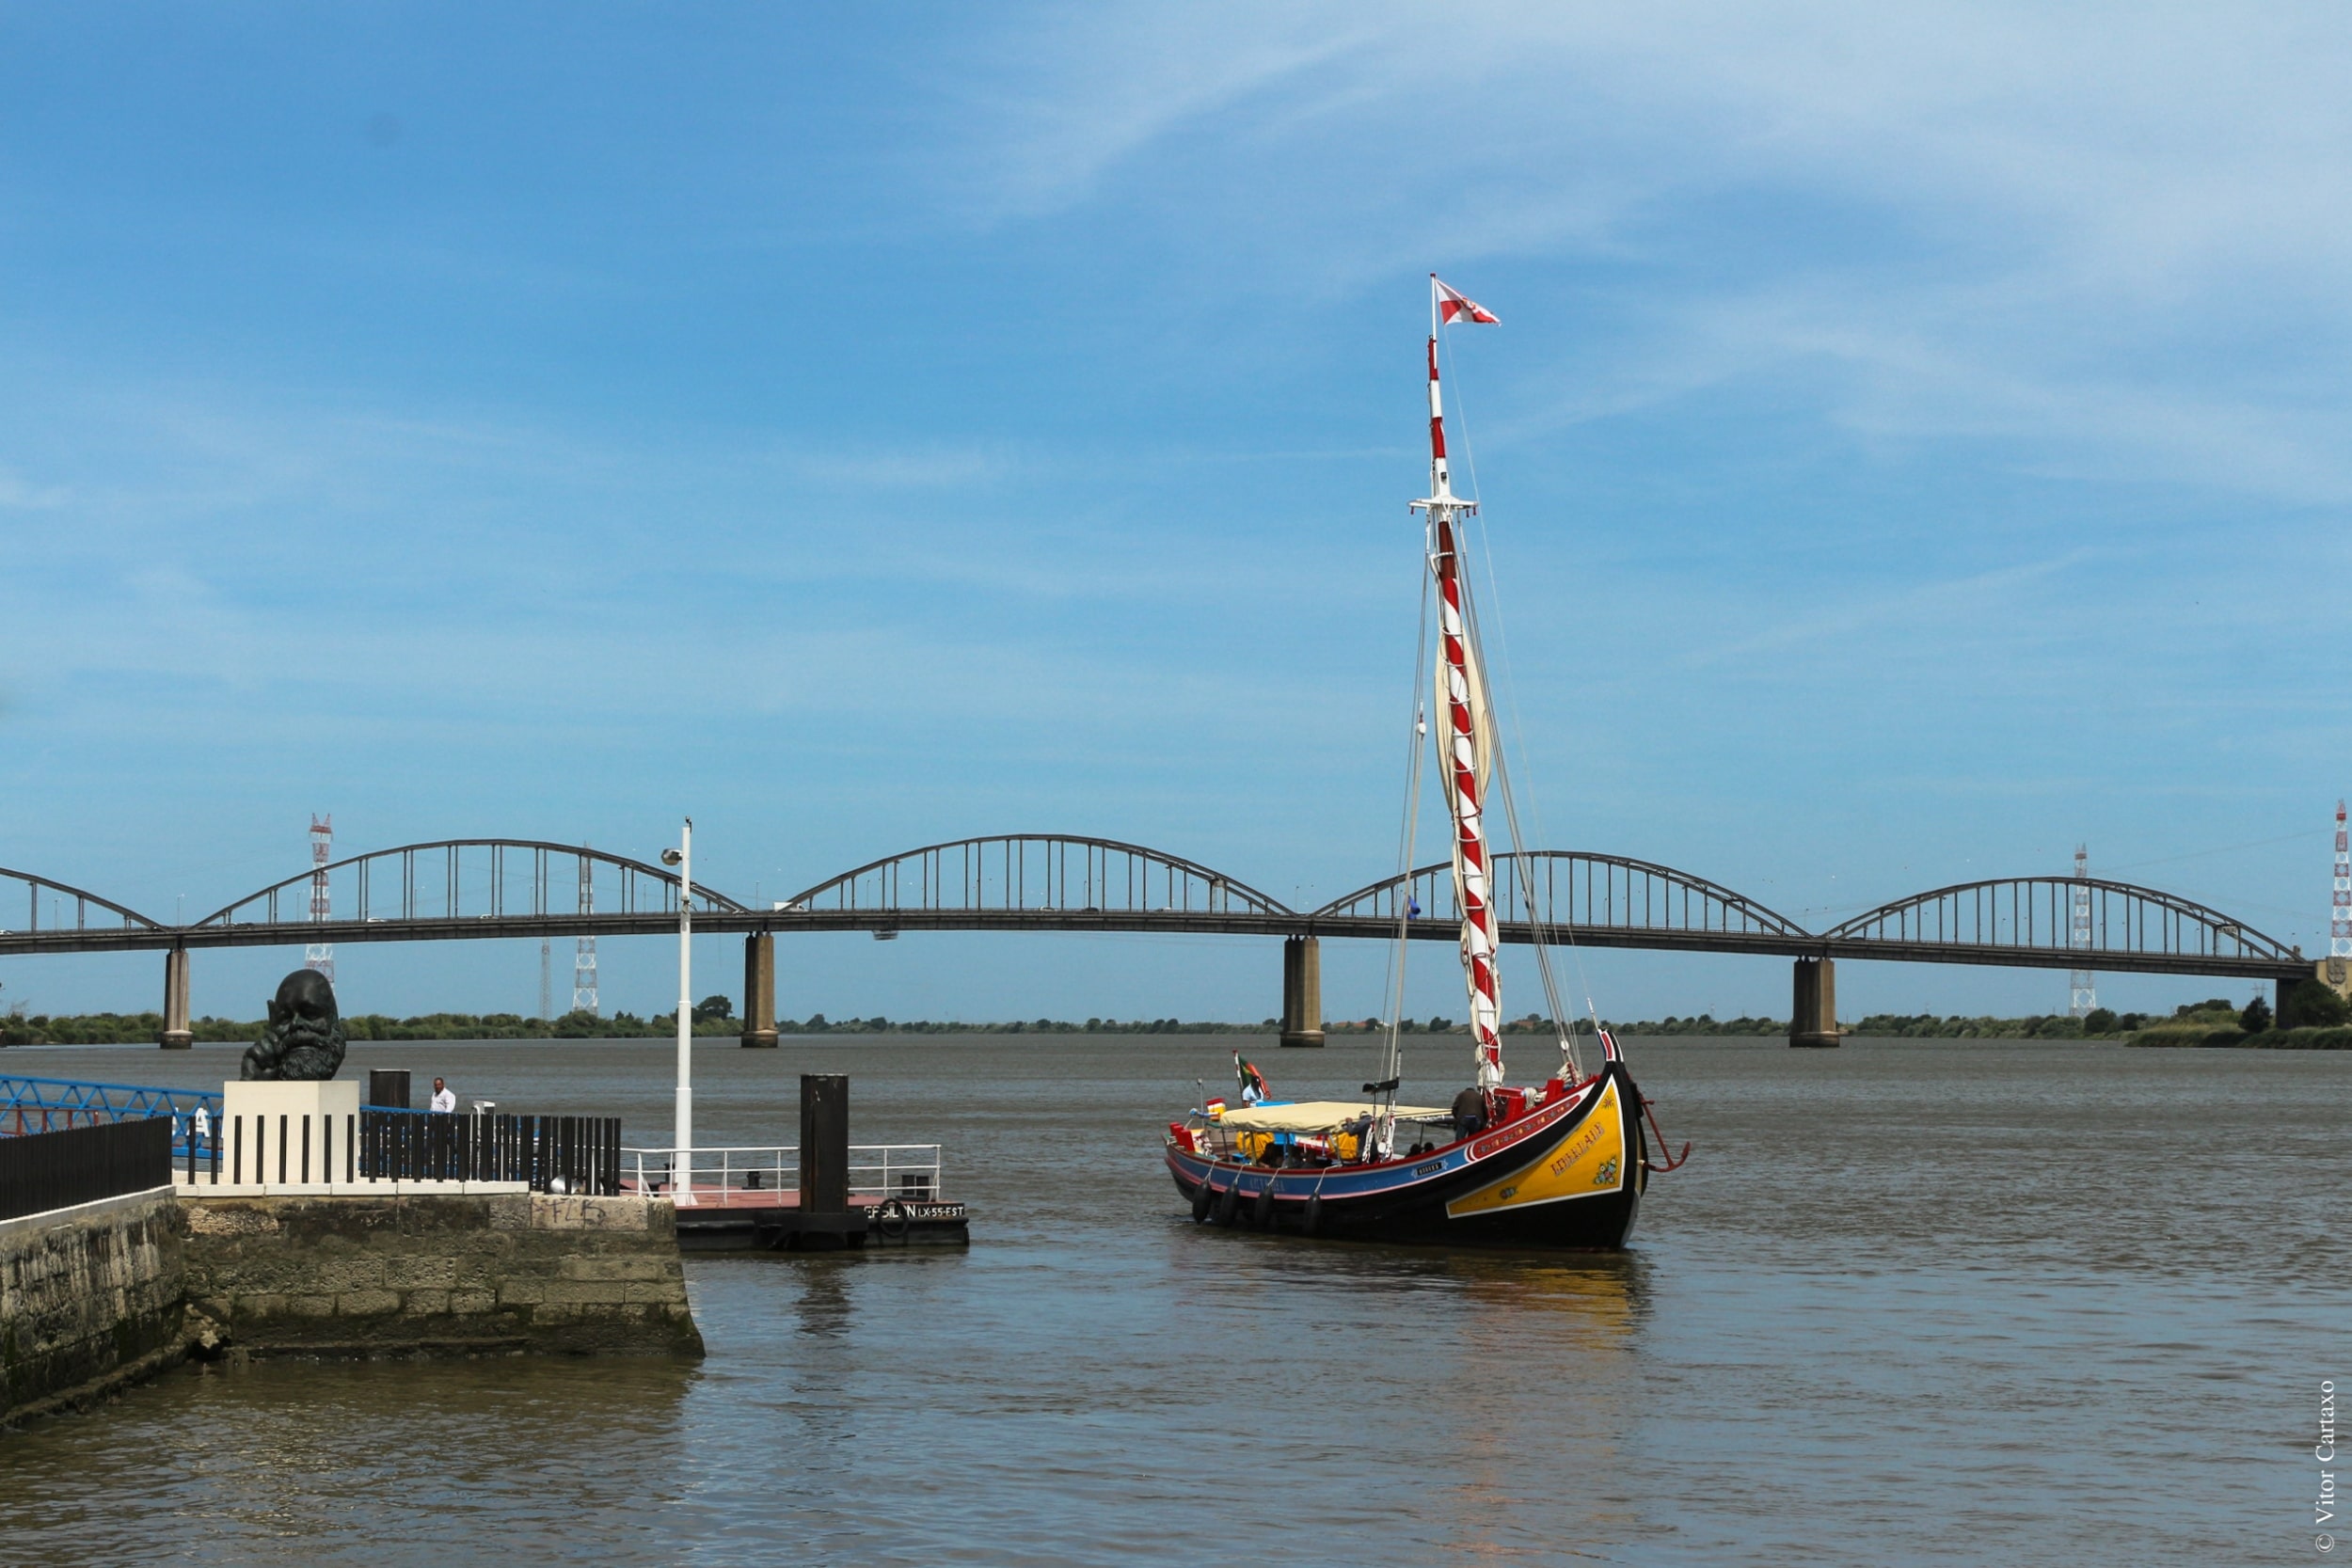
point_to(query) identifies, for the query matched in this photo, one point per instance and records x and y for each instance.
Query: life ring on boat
(891, 1219)
(1203, 1197)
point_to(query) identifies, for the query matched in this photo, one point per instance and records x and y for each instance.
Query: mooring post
(1813, 1018)
(760, 991)
(824, 1158)
(1302, 991)
(177, 1035)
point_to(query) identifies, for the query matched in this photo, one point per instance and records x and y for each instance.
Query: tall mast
(1464, 742)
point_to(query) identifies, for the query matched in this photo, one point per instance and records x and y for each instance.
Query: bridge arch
(2003, 919)
(1048, 873)
(1582, 891)
(84, 902)
(484, 878)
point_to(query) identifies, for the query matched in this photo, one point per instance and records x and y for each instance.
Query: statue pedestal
(303, 1132)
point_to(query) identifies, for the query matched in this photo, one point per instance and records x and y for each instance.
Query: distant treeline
(2314, 1018)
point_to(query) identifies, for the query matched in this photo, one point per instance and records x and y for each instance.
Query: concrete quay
(95, 1298)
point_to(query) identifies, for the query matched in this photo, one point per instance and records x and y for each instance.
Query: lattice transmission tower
(2339, 910)
(584, 957)
(2085, 989)
(321, 954)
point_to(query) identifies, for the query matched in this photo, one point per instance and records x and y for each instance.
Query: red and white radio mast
(321, 954)
(2340, 912)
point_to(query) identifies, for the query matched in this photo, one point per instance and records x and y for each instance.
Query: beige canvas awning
(1314, 1116)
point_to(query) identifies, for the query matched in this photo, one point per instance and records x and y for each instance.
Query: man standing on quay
(443, 1099)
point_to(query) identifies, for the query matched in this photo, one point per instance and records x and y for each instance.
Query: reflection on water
(1897, 1308)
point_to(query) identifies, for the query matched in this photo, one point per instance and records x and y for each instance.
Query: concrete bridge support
(1302, 991)
(759, 992)
(176, 1035)
(1812, 1020)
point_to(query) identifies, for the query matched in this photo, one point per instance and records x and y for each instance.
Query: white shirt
(444, 1099)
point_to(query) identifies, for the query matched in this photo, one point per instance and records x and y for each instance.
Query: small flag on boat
(1216, 1107)
(1453, 304)
(1253, 1086)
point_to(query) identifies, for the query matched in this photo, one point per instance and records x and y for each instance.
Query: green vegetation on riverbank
(2314, 1018)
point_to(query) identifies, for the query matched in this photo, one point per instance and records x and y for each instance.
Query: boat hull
(1567, 1178)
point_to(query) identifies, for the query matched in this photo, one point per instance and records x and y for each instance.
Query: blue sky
(1916, 443)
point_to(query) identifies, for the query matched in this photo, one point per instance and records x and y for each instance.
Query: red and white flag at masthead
(1453, 304)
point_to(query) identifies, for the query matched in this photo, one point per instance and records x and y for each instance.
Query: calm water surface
(1966, 1302)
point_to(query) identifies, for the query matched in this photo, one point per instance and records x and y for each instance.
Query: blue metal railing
(53, 1105)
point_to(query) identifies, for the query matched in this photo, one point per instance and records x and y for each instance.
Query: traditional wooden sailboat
(1560, 1164)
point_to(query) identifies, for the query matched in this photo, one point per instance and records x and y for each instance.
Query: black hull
(1519, 1188)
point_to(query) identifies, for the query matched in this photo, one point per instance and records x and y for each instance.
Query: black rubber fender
(1262, 1211)
(1229, 1205)
(890, 1220)
(1312, 1221)
(1203, 1197)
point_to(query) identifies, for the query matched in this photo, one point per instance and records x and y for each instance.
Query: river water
(1982, 1303)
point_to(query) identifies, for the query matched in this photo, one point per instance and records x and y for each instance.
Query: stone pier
(176, 1036)
(760, 991)
(1813, 1018)
(90, 1301)
(457, 1275)
(1302, 991)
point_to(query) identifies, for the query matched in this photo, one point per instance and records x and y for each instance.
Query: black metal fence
(571, 1154)
(40, 1171)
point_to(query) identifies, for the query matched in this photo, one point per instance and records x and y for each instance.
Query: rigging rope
(1393, 982)
(1537, 918)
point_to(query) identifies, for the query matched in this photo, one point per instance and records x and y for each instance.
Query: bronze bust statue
(303, 1039)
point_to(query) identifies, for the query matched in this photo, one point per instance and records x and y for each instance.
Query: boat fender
(891, 1219)
(1203, 1197)
(1229, 1204)
(1313, 1220)
(1262, 1213)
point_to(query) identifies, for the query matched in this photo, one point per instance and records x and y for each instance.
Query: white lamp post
(682, 1175)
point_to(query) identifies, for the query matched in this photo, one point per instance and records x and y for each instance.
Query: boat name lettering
(1584, 1141)
(1432, 1168)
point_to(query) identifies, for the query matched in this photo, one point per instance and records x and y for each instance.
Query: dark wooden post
(824, 1143)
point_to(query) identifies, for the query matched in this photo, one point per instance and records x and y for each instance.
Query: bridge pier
(1813, 1018)
(759, 992)
(177, 1035)
(1302, 991)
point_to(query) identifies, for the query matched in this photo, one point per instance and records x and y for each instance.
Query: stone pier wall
(438, 1275)
(89, 1301)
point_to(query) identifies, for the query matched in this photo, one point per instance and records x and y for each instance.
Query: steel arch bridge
(478, 888)
(1034, 881)
(84, 903)
(2026, 920)
(1574, 895)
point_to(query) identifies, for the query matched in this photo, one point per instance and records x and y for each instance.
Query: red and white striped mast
(1465, 740)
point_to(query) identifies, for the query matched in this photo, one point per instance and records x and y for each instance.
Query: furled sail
(1465, 734)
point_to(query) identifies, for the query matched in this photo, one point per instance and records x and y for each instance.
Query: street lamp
(682, 1178)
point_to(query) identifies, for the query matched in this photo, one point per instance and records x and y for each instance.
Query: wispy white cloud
(2121, 229)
